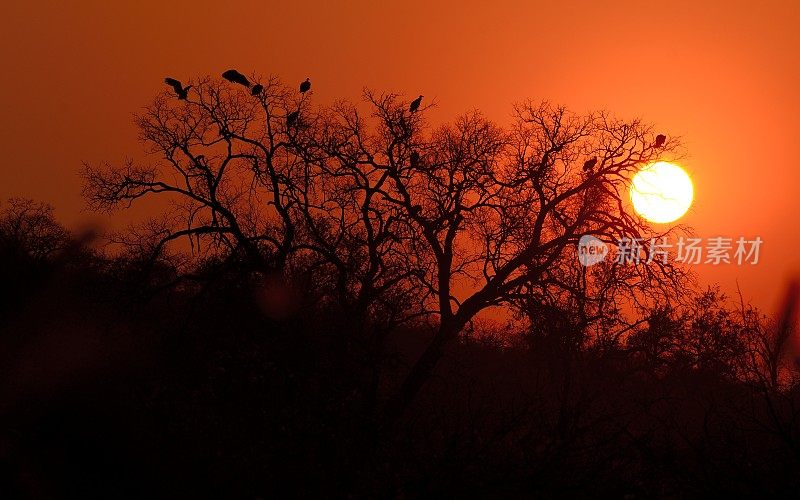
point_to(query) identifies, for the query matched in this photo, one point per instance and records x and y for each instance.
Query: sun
(661, 192)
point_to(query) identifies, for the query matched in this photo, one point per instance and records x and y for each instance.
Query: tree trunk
(420, 372)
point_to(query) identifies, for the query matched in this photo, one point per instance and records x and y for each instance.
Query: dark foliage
(124, 378)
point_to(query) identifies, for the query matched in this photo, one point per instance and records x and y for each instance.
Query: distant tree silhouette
(29, 230)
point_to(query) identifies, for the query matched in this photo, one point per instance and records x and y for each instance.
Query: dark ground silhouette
(118, 386)
(306, 338)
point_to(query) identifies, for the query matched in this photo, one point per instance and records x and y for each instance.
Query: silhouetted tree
(498, 213)
(28, 229)
(390, 220)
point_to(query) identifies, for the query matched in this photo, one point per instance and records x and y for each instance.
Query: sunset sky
(725, 76)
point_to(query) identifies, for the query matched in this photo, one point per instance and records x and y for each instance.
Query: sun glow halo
(661, 192)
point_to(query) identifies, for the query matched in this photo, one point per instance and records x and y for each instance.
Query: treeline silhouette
(308, 316)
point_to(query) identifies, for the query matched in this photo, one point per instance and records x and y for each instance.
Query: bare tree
(222, 155)
(390, 219)
(28, 229)
(493, 214)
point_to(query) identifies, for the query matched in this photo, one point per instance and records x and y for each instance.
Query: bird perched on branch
(305, 86)
(234, 76)
(660, 139)
(414, 159)
(588, 165)
(181, 91)
(291, 118)
(414, 106)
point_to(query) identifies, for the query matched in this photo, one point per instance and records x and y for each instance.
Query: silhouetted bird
(181, 91)
(234, 76)
(589, 164)
(414, 158)
(291, 118)
(660, 139)
(305, 86)
(257, 89)
(414, 106)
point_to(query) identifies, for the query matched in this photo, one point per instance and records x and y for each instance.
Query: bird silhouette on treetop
(660, 139)
(181, 91)
(305, 86)
(414, 106)
(234, 76)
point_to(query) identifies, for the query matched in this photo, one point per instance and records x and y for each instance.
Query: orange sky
(725, 76)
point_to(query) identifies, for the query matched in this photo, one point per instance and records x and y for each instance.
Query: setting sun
(661, 192)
